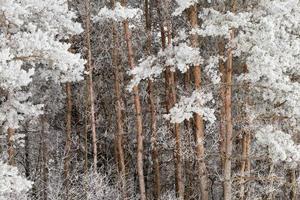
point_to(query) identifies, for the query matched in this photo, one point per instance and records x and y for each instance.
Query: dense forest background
(149, 99)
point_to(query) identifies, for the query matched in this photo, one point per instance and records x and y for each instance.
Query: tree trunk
(293, 184)
(27, 153)
(152, 106)
(199, 132)
(138, 110)
(171, 92)
(85, 143)
(155, 153)
(68, 138)
(188, 165)
(189, 162)
(170, 102)
(271, 184)
(246, 141)
(86, 128)
(228, 113)
(228, 110)
(178, 163)
(11, 149)
(245, 164)
(119, 106)
(86, 118)
(45, 170)
(176, 131)
(89, 69)
(222, 134)
(120, 132)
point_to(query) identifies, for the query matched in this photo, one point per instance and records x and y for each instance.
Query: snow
(216, 23)
(12, 185)
(181, 56)
(32, 38)
(271, 44)
(119, 13)
(178, 57)
(187, 106)
(147, 69)
(268, 40)
(35, 61)
(16, 108)
(211, 69)
(281, 146)
(183, 5)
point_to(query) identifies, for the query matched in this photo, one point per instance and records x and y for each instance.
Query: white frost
(183, 5)
(12, 185)
(187, 106)
(119, 13)
(281, 146)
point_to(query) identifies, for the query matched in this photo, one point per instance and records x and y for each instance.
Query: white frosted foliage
(11, 73)
(16, 108)
(12, 185)
(211, 69)
(182, 56)
(119, 13)
(272, 44)
(188, 106)
(179, 57)
(31, 37)
(219, 24)
(183, 5)
(147, 69)
(281, 146)
(39, 47)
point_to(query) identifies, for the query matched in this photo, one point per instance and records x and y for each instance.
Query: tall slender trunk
(152, 106)
(176, 131)
(199, 132)
(187, 126)
(11, 149)
(155, 153)
(271, 184)
(68, 138)
(293, 184)
(229, 129)
(293, 173)
(45, 170)
(187, 131)
(189, 163)
(245, 164)
(85, 143)
(27, 153)
(89, 68)
(227, 186)
(86, 118)
(119, 109)
(222, 135)
(178, 163)
(120, 132)
(246, 141)
(171, 92)
(170, 102)
(138, 110)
